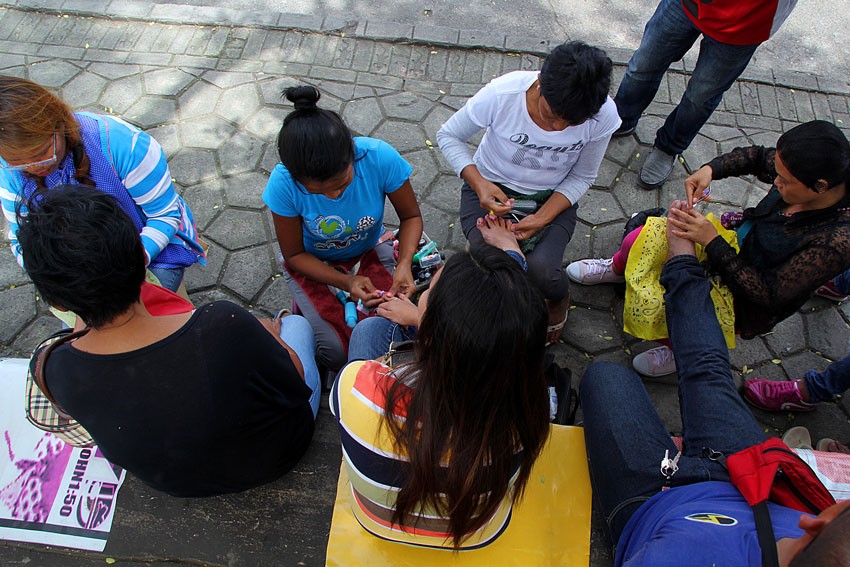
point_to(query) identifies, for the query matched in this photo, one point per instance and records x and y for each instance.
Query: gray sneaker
(656, 169)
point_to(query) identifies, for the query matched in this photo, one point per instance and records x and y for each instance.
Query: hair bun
(303, 97)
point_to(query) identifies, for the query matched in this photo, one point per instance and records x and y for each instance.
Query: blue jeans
(297, 333)
(822, 386)
(371, 338)
(668, 35)
(626, 439)
(169, 278)
(330, 350)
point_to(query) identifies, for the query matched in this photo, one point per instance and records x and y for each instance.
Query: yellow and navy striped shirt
(376, 471)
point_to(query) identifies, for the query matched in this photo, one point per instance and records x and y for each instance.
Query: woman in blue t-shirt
(327, 202)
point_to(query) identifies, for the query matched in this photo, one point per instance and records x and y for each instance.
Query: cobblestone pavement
(211, 96)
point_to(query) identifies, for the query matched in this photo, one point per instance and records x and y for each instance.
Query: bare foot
(497, 233)
(557, 318)
(676, 245)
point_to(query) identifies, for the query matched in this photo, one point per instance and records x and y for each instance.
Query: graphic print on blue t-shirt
(335, 233)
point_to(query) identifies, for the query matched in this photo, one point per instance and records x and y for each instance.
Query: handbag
(42, 409)
(401, 352)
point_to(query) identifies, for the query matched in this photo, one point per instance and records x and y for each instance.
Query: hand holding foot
(497, 233)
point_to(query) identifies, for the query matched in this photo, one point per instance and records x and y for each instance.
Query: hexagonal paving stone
(240, 153)
(787, 336)
(246, 190)
(749, 353)
(238, 103)
(599, 207)
(152, 111)
(435, 120)
(247, 271)
(406, 106)
(192, 166)
(424, 169)
(702, 150)
(362, 116)
(402, 136)
(622, 149)
(113, 71)
(121, 94)
(18, 307)
(209, 132)
(270, 158)
(608, 173)
(168, 138)
(83, 90)
(444, 195)
(206, 201)
(236, 229)
(52, 73)
(272, 90)
(10, 272)
(200, 277)
(276, 296)
(266, 123)
(226, 79)
(592, 331)
(36, 332)
(828, 333)
(167, 82)
(198, 100)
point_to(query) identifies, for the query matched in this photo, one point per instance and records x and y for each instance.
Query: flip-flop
(823, 445)
(282, 313)
(557, 329)
(798, 438)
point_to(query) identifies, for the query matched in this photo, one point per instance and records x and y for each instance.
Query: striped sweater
(376, 471)
(130, 165)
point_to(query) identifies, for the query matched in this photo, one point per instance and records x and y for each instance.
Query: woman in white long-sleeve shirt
(546, 135)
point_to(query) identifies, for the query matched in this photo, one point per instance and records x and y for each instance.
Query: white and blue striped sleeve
(9, 197)
(140, 163)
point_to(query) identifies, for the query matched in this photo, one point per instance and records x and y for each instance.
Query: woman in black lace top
(796, 239)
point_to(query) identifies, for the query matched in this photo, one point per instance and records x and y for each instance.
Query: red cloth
(326, 303)
(754, 471)
(160, 301)
(736, 22)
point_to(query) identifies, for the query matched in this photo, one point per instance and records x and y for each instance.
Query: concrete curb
(390, 32)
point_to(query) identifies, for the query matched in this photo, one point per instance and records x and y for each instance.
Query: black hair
(816, 150)
(575, 80)
(82, 252)
(314, 144)
(477, 392)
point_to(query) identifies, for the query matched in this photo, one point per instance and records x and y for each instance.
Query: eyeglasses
(23, 166)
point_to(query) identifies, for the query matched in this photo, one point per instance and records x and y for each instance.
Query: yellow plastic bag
(550, 526)
(644, 316)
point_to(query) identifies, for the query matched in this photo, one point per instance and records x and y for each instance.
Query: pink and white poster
(50, 492)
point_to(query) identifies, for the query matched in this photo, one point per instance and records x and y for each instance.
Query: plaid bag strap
(41, 355)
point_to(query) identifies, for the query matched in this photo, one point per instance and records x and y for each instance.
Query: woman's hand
(691, 224)
(399, 309)
(697, 183)
(403, 280)
(361, 288)
(528, 227)
(492, 198)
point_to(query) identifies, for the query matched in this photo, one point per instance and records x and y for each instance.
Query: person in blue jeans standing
(731, 31)
(702, 512)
